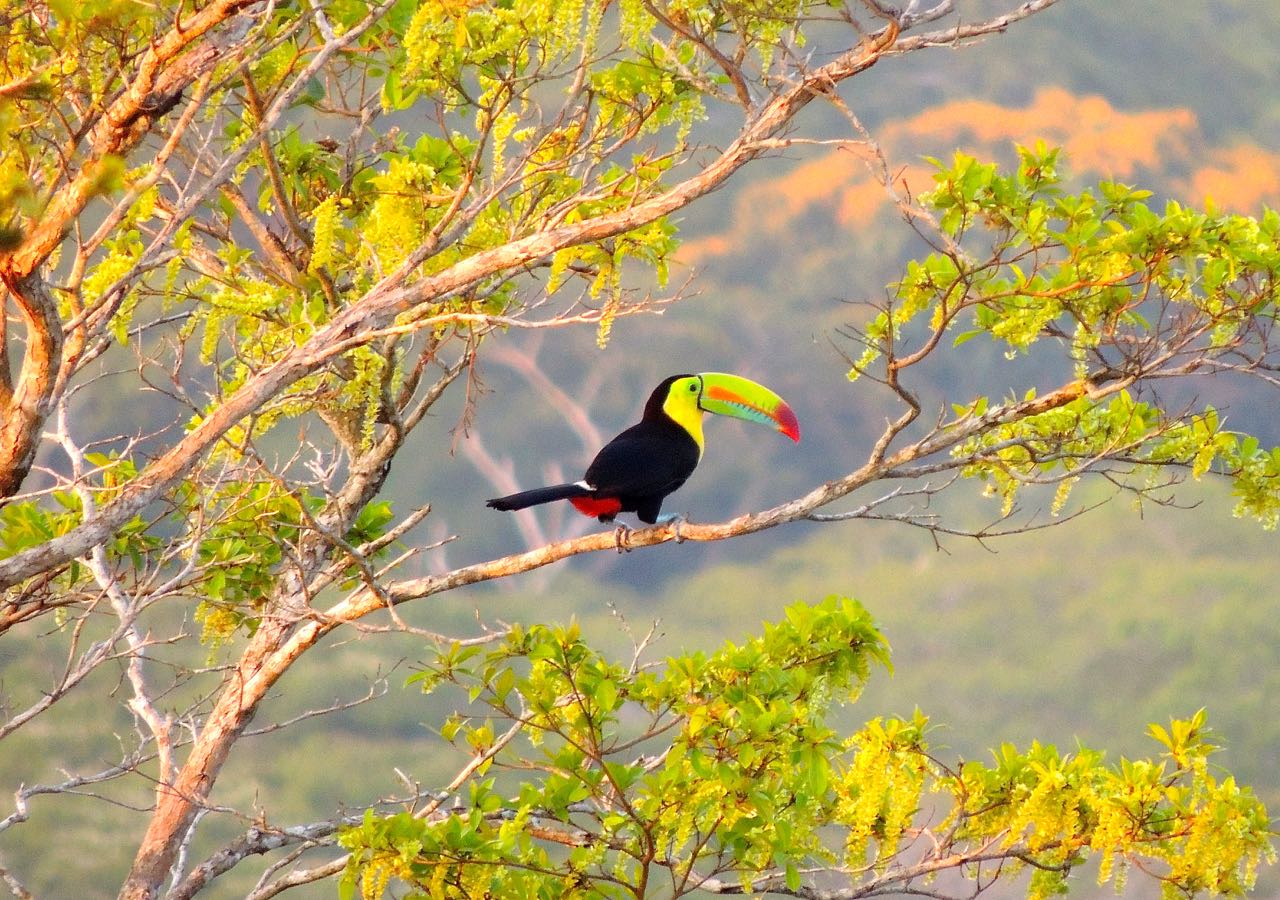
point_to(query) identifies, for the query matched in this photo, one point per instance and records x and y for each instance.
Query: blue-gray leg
(675, 520)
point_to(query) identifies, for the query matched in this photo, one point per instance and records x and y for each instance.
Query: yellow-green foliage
(725, 762)
(879, 793)
(402, 206)
(1198, 830)
(1031, 257)
(531, 114)
(69, 54)
(1116, 283)
(325, 246)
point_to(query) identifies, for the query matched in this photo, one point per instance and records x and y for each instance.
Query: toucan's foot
(622, 538)
(675, 520)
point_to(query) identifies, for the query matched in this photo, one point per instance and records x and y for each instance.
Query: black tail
(539, 495)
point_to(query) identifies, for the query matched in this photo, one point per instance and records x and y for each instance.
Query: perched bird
(637, 469)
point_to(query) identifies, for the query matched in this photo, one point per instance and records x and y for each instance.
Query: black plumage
(634, 472)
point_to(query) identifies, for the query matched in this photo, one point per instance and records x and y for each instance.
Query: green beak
(733, 395)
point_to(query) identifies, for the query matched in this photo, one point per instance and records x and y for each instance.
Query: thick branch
(187, 453)
(278, 643)
(31, 401)
(163, 71)
(255, 842)
(389, 300)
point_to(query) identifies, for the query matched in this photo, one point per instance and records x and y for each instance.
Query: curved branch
(25, 410)
(287, 633)
(163, 72)
(387, 300)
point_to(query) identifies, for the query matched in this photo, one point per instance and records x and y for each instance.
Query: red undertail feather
(596, 506)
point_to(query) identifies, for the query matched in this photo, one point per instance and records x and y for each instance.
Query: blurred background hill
(1086, 631)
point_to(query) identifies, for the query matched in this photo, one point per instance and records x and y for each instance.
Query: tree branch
(372, 315)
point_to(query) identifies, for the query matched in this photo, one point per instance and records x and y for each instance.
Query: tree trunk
(28, 403)
(178, 803)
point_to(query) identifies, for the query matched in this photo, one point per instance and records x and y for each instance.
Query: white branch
(126, 611)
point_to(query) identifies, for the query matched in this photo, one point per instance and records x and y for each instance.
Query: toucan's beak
(733, 395)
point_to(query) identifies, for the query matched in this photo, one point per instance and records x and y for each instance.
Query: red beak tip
(788, 424)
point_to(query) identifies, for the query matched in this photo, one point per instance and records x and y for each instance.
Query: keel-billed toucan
(636, 470)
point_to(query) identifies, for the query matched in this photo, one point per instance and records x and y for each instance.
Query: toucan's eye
(693, 387)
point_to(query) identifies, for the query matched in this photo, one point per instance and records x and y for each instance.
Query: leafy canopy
(721, 770)
(1125, 294)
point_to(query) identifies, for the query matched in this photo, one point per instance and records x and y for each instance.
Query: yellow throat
(682, 406)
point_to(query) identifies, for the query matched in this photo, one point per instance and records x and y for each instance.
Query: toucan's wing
(642, 461)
